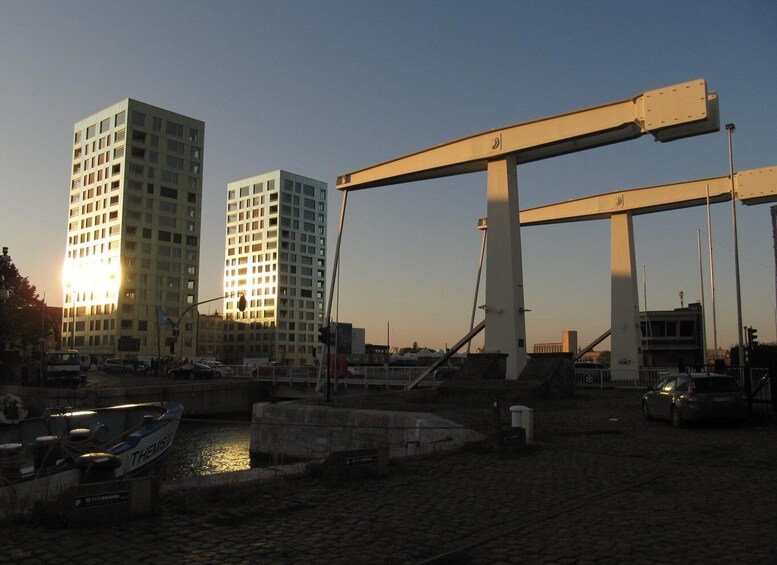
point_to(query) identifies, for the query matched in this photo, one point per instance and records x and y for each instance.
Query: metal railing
(364, 377)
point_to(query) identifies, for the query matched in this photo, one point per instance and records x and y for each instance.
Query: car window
(682, 384)
(668, 384)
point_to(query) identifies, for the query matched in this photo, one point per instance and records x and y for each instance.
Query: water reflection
(203, 447)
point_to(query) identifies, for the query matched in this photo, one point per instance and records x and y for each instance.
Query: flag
(164, 319)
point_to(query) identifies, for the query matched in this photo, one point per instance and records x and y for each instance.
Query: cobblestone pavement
(599, 485)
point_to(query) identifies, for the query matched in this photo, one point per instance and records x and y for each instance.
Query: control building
(275, 256)
(133, 235)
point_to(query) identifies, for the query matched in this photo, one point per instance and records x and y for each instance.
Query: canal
(205, 447)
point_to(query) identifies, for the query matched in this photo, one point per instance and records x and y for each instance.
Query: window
(174, 162)
(168, 192)
(138, 119)
(174, 129)
(138, 152)
(77, 137)
(175, 146)
(105, 125)
(119, 119)
(687, 328)
(157, 124)
(90, 131)
(119, 136)
(169, 176)
(194, 135)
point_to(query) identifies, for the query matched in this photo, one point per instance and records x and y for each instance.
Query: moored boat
(41, 458)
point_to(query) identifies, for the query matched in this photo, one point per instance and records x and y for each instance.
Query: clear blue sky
(321, 88)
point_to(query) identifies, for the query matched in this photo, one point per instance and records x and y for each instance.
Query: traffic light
(752, 337)
(323, 334)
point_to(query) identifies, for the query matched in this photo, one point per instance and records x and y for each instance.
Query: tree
(22, 312)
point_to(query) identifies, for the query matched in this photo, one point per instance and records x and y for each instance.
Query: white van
(63, 366)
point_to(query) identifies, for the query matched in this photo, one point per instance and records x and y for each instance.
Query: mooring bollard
(97, 467)
(47, 451)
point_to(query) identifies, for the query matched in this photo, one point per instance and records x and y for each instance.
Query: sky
(325, 87)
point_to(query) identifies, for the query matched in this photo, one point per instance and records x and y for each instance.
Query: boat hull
(138, 437)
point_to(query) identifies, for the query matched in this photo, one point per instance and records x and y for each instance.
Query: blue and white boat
(41, 458)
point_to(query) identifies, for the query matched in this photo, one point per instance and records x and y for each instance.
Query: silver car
(692, 397)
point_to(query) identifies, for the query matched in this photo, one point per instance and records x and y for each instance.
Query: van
(61, 367)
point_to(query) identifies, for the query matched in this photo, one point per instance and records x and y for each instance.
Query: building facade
(568, 344)
(132, 257)
(275, 256)
(673, 338)
(210, 335)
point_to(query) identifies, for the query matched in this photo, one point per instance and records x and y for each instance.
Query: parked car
(191, 371)
(220, 370)
(692, 397)
(116, 366)
(590, 373)
(119, 366)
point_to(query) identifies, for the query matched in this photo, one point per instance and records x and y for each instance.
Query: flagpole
(158, 348)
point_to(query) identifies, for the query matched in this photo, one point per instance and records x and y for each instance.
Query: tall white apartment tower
(133, 236)
(276, 257)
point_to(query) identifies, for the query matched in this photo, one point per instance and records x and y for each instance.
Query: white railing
(620, 378)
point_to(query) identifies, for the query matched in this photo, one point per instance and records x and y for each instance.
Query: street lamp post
(731, 128)
(5, 260)
(241, 305)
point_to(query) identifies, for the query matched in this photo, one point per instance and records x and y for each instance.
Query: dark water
(205, 447)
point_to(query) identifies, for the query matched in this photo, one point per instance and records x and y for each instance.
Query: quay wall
(311, 431)
(198, 398)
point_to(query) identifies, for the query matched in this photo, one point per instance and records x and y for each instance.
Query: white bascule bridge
(670, 113)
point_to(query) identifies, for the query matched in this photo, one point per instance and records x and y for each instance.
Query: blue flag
(164, 319)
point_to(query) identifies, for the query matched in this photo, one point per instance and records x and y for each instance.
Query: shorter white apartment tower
(135, 196)
(275, 256)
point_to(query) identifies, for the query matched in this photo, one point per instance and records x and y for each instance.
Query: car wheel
(646, 411)
(677, 420)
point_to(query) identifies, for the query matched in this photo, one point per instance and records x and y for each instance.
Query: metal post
(703, 308)
(477, 285)
(730, 128)
(334, 277)
(712, 278)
